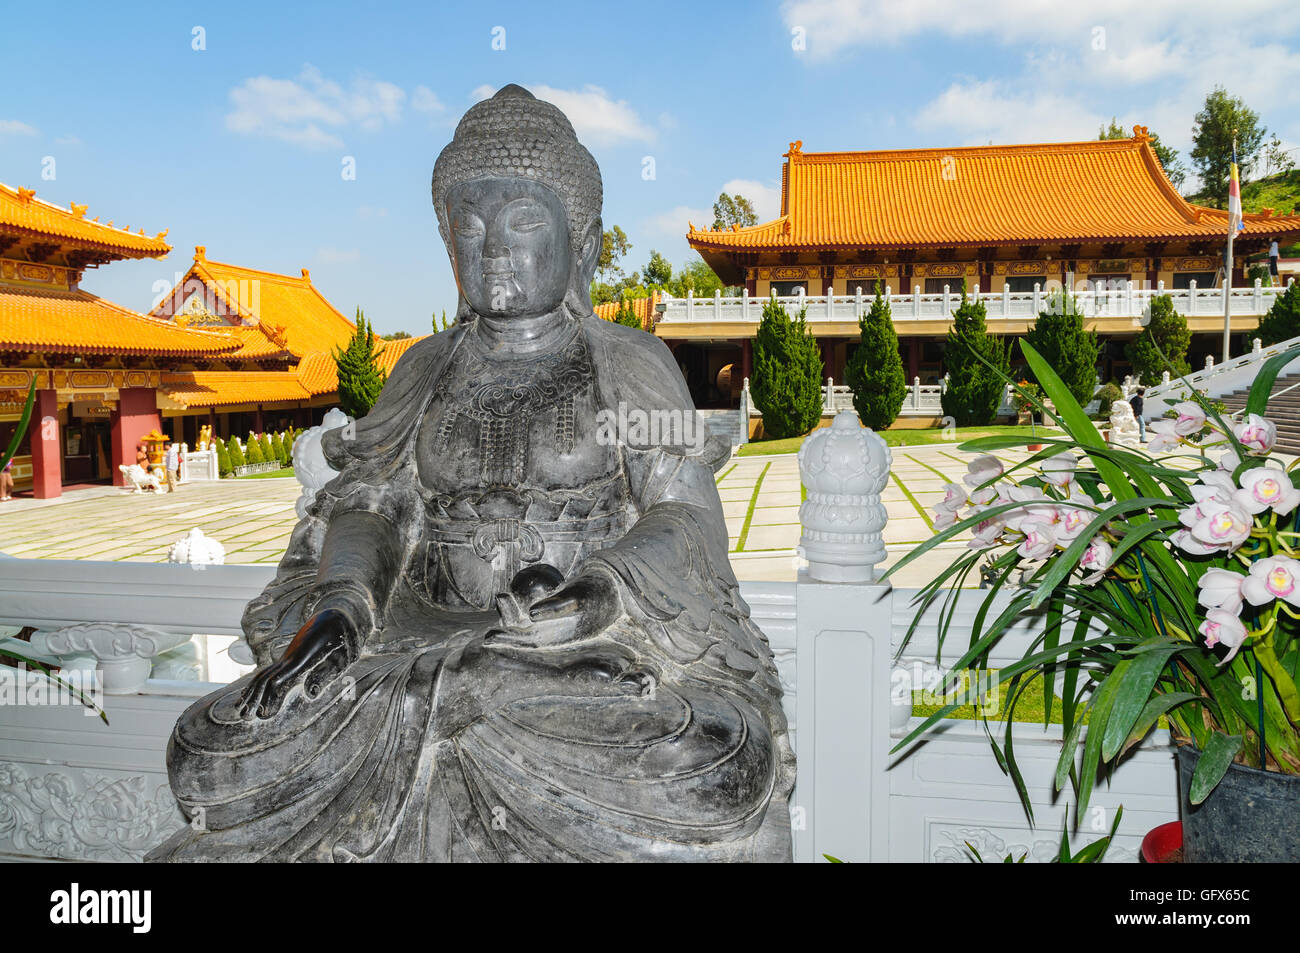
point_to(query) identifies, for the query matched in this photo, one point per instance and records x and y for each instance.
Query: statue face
(509, 243)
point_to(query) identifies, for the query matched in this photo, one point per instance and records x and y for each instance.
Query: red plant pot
(1162, 842)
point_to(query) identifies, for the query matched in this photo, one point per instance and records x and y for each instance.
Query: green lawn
(902, 438)
(270, 474)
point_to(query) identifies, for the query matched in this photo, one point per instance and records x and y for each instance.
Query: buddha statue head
(518, 204)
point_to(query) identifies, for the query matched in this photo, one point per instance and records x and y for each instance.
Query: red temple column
(913, 359)
(136, 415)
(747, 357)
(47, 457)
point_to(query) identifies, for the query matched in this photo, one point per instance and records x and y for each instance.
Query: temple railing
(1217, 380)
(1127, 301)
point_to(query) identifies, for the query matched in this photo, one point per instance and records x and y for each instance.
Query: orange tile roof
(1101, 190)
(319, 373)
(289, 311)
(216, 388)
(22, 213)
(79, 322)
(643, 308)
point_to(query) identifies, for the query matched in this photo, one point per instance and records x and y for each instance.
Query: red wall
(136, 415)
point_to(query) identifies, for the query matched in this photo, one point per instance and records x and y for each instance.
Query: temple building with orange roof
(1012, 223)
(234, 348)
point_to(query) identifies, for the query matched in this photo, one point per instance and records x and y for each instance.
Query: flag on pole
(1235, 224)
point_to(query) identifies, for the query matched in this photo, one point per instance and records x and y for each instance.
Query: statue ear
(588, 253)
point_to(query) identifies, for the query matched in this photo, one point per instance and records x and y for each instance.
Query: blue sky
(240, 145)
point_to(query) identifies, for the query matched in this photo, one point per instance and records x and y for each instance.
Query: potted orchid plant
(1169, 582)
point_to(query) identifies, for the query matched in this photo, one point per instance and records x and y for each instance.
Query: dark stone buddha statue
(507, 630)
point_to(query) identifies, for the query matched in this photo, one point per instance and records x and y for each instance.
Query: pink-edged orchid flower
(1223, 628)
(1267, 487)
(1096, 560)
(1256, 434)
(1220, 589)
(1277, 577)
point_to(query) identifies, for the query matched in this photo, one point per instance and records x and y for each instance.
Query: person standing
(172, 464)
(1136, 402)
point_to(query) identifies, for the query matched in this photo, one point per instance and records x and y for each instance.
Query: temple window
(1025, 283)
(1184, 279)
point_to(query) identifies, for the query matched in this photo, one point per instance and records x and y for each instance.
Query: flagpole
(1227, 296)
(1227, 276)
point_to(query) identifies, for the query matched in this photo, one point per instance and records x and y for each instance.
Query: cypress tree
(236, 454)
(1282, 322)
(277, 447)
(224, 467)
(1167, 331)
(255, 451)
(625, 315)
(360, 379)
(1058, 335)
(974, 389)
(787, 381)
(874, 371)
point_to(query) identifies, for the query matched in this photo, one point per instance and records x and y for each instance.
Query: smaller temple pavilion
(1015, 221)
(235, 348)
(282, 375)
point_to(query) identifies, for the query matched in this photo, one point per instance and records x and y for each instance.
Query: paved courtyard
(253, 518)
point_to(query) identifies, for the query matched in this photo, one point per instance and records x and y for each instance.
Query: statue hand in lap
(318, 654)
(579, 610)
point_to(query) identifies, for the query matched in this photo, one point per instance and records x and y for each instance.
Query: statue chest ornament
(489, 408)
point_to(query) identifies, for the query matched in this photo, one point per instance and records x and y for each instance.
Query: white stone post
(844, 467)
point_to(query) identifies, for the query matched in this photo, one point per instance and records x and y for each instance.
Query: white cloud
(597, 119)
(12, 127)
(425, 100)
(979, 112)
(675, 220)
(311, 110)
(766, 199)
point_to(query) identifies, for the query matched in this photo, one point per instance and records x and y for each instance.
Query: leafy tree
(268, 449)
(1168, 156)
(395, 336)
(442, 324)
(1277, 159)
(1282, 322)
(627, 315)
(1059, 336)
(360, 379)
(875, 369)
(255, 454)
(787, 381)
(277, 448)
(1212, 134)
(613, 247)
(731, 210)
(224, 466)
(698, 277)
(1166, 331)
(658, 271)
(974, 388)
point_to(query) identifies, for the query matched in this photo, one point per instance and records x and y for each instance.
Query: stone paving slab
(254, 518)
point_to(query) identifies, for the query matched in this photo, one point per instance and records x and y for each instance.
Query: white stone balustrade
(1130, 301)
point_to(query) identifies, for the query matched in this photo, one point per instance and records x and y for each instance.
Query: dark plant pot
(1251, 816)
(1161, 843)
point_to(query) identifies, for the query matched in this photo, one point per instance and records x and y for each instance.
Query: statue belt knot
(501, 633)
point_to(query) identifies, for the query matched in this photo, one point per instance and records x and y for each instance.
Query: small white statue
(1124, 430)
(309, 464)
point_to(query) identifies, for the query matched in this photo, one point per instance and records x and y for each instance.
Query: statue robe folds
(661, 737)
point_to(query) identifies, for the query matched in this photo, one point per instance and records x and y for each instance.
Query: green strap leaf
(1212, 765)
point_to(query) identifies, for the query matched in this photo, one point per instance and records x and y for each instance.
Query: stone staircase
(1283, 410)
(724, 423)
